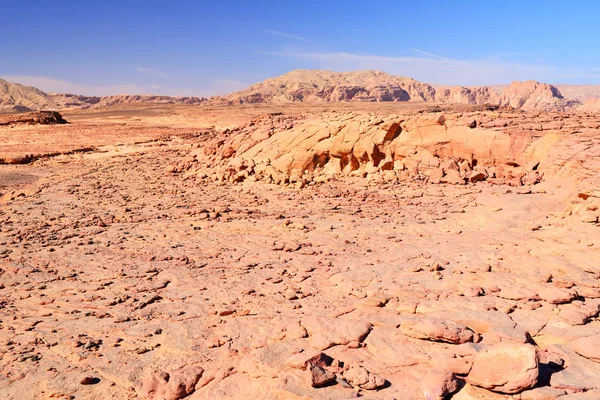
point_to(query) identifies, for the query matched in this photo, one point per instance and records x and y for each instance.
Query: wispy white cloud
(217, 87)
(441, 70)
(153, 72)
(286, 35)
(429, 54)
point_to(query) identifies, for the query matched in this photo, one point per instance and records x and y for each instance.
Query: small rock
(318, 376)
(89, 380)
(438, 383)
(477, 176)
(360, 377)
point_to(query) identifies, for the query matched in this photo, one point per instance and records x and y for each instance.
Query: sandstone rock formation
(40, 117)
(121, 99)
(437, 147)
(438, 384)
(464, 95)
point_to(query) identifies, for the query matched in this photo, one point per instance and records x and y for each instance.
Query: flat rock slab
(436, 330)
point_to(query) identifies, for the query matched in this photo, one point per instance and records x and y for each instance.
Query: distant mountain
(570, 92)
(19, 98)
(579, 92)
(15, 97)
(327, 86)
(532, 95)
(324, 86)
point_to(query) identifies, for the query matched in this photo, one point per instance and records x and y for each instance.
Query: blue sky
(214, 47)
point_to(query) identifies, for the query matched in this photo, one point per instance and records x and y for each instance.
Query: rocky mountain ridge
(328, 86)
(316, 86)
(19, 98)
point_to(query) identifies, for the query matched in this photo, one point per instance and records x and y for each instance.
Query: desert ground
(301, 251)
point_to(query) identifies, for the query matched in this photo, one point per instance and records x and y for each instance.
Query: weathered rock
(554, 295)
(437, 330)
(176, 385)
(319, 376)
(505, 368)
(438, 384)
(587, 346)
(360, 377)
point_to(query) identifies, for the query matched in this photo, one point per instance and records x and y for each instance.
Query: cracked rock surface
(133, 274)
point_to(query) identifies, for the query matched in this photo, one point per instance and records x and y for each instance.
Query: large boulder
(505, 368)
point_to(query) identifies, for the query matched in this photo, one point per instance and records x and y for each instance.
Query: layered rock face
(148, 99)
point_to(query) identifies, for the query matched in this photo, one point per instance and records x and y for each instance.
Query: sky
(204, 48)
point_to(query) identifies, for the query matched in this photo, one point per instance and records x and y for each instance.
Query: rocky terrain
(391, 251)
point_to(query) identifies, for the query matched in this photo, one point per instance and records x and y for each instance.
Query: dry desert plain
(303, 251)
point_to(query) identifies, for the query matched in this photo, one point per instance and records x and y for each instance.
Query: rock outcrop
(439, 148)
(39, 117)
(121, 99)
(465, 95)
